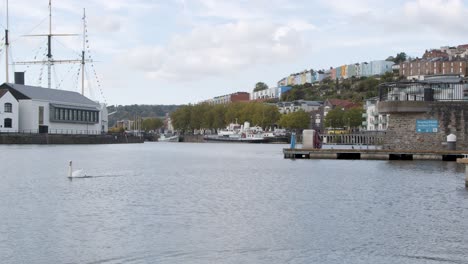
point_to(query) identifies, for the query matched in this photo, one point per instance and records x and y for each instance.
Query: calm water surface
(226, 203)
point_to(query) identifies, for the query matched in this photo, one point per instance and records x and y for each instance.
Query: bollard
(293, 140)
(452, 142)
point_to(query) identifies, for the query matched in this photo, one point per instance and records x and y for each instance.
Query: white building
(56, 111)
(291, 107)
(269, 93)
(373, 120)
(9, 115)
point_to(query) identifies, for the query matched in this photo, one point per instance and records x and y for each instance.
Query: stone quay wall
(40, 139)
(402, 135)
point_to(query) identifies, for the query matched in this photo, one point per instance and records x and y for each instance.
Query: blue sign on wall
(427, 125)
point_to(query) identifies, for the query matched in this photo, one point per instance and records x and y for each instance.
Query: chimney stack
(19, 78)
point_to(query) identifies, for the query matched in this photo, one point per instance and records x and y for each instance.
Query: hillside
(130, 111)
(354, 89)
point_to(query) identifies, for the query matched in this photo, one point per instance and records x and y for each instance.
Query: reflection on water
(226, 203)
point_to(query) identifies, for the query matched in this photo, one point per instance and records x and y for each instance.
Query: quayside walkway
(374, 154)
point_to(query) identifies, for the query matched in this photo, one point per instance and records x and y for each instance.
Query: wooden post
(465, 161)
(466, 175)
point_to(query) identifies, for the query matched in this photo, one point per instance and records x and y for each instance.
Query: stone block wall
(452, 117)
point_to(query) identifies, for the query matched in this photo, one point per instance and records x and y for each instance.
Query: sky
(187, 51)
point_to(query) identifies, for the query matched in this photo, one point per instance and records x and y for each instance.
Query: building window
(41, 115)
(8, 108)
(7, 123)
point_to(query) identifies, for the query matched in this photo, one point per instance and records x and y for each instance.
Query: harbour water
(226, 203)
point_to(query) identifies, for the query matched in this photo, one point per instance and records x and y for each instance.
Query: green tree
(260, 86)
(152, 124)
(400, 57)
(335, 118)
(353, 117)
(181, 118)
(295, 120)
(218, 112)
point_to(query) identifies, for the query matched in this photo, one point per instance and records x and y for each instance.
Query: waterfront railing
(423, 91)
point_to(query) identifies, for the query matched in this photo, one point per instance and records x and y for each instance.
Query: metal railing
(423, 91)
(368, 138)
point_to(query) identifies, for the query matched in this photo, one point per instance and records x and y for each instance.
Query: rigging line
(41, 47)
(41, 71)
(66, 75)
(63, 45)
(90, 86)
(3, 8)
(77, 77)
(99, 85)
(54, 68)
(29, 32)
(11, 59)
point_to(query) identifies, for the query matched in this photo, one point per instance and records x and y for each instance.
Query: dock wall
(401, 133)
(40, 139)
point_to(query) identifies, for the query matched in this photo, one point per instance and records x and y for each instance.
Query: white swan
(74, 174)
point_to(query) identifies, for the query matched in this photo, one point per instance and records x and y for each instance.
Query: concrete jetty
(374, 154)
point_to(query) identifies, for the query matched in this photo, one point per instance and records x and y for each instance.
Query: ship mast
(50, 61)
(7, 44)
(83, 52)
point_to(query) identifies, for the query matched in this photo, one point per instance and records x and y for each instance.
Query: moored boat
(238, 133)
(164, 138)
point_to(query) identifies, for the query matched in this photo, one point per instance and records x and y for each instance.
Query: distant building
(9, 115)
(313, 108)
(366, 69)
(381, 67)
(229, 98)
(266, 94)
(270, 93)
(330, 104)
(294, 106)
(283, 82)
(321, 75)
(373, 120)
(352, 71)
(418, 69)
(435, 53)
(55, 111)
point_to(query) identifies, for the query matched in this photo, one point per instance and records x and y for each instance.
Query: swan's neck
(70, 170)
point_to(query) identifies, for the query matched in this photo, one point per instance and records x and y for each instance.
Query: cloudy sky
(185, 51)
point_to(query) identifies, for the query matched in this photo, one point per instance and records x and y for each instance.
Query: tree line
(206, 116)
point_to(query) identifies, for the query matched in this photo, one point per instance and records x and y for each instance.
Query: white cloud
(437, 15)
(350, 7)
(220, 50)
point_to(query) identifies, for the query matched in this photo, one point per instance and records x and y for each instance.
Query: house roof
(342, 103)
(3, 92)
(50, 95)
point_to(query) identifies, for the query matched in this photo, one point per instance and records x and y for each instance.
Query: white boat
(238, 133)
(164, 138)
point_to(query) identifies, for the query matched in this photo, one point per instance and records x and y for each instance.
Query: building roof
(3, 92)
(50, 95)
(342, 103)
